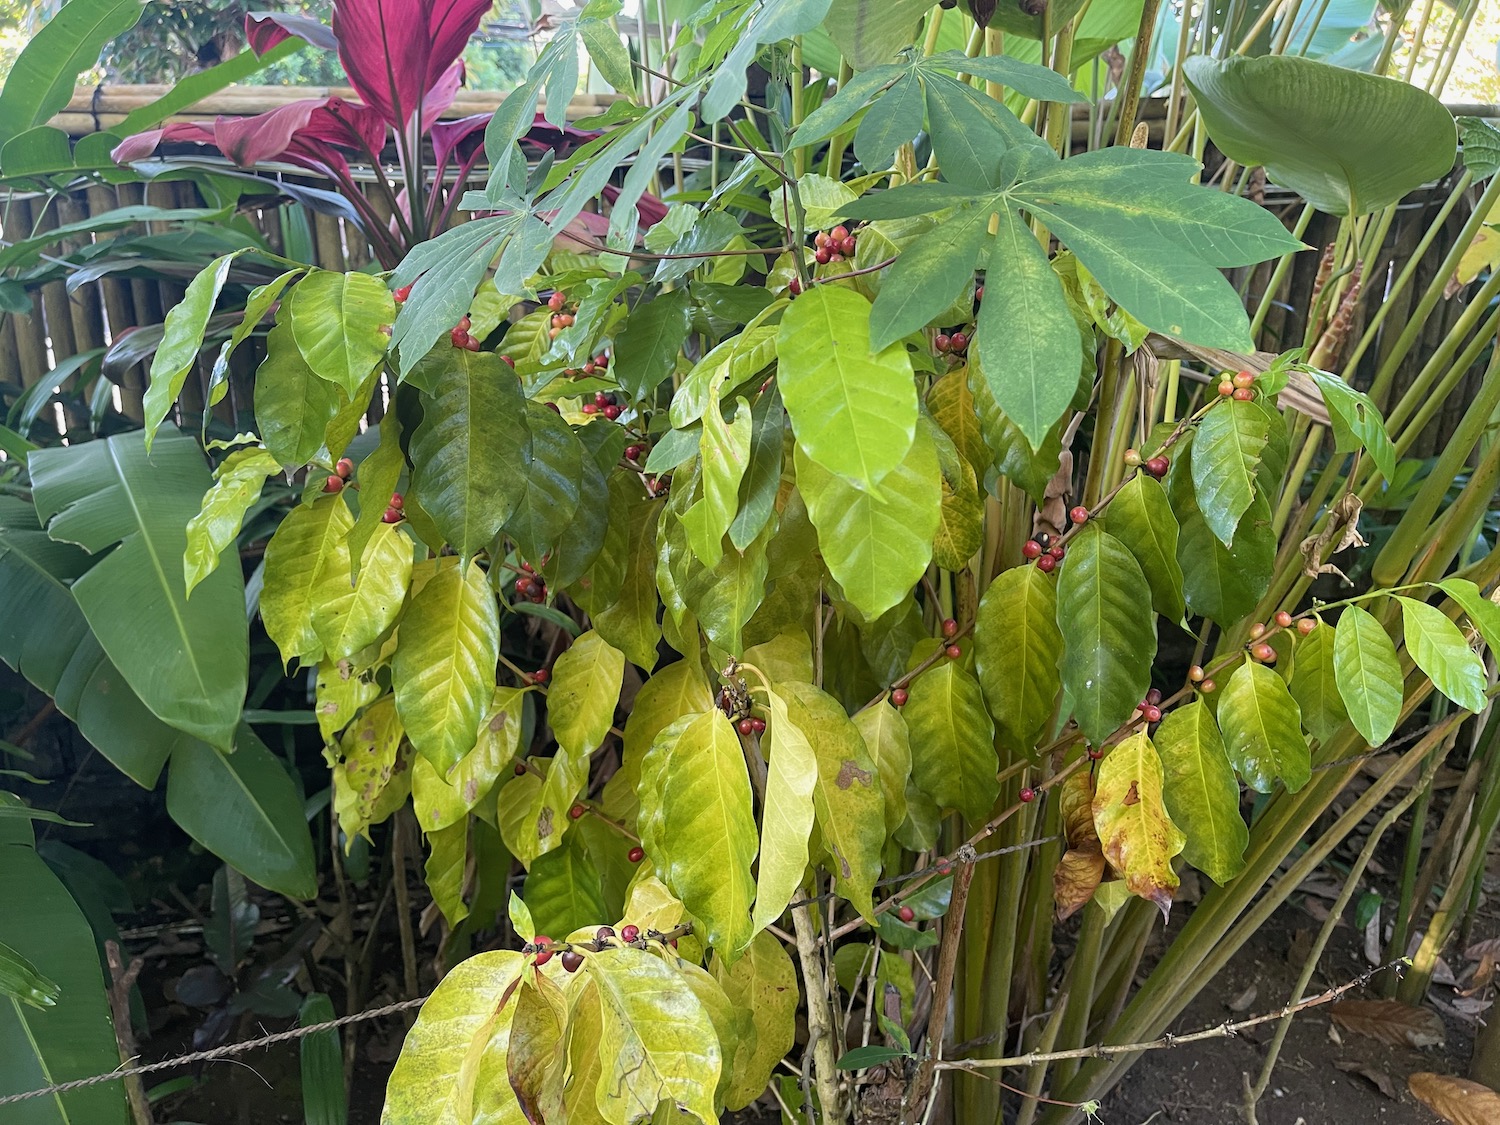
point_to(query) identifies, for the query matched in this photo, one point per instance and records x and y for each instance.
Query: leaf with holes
(1263, 729)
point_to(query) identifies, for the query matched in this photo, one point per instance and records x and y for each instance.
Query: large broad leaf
(1226, 454)
(1016, 649)
(337, 323)
(553, 484)
(1140, 516)
(182, 337)
(1442, 652)
(787, 821)
(955, 762)
(71, 1038)
(377, 477)
(585, 689)
(563, 889)
(186, 659)
(762, 984)
(678, 689)
(1138, 836)
(876, 546)
(888, 739)
(870, 32)
(435, 1077)
(244, 808)
(847, 801)
(630, 623)
(704, 839)
(472, 439)
(444, 669)
(1201, 794)
(1314, 685)
(1323, 131)
(310, 535)
(351, 613)
(853, 406)
(1108, 629)
(1263, 729)
(1368, 674)
(657, 1040)
(724, 455)
(646, 348)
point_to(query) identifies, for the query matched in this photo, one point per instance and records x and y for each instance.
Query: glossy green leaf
(646, 348)
(966, 136)
(187, 660)
(261, 300)
(762, 480)
(337, 321)
(630, 623)
(585, 689)
(321, 1056)
(1263, 729)
(1483, 613)
(182, 337)
(787, 822)
(955, 764)
(377, 475)
(928, 276)
(725, 598)
(244, 809)
(473, 436)
(1314, 685)
(1108, 629)
(1368, 674)
(292, 404)
(308, 537)
(876, 545)
(1140, 517)
(893, 120)
(852, 406)
(444, 668)
(1006, 447)
(1226, 454)
(1130, 816)
(870, 32)
(724, 454)
(553, 484)
(1322, 130)
(1355, 420)
(237, 486)
(1220, 582)
(726, 367)
(1442, 652)
(847, 802)
(349, 614)
(1201, 794)
(19, 980)
(762, 984)
(888, 740)
(1016, 647)
(563, 890)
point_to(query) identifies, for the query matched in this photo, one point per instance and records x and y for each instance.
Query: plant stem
(819, 1015)
(1131, 91)
(953, 923)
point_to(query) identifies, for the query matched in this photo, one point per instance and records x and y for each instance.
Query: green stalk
(1278, 275)
(1079, 987)
(1422, 400)
(1130, 101)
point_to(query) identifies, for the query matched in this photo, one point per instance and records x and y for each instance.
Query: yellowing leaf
(1016, 649)
(889, 742)
(371, 766)
(348, 614)
(237, 485)
(336, 322)
(762, 984)
(1138, 836)
(340, 692)
(630, 623)
(448, 852)
(309, 535)
(1456, 1100)
(724, 455)
(678, 689)
(786, 656)
(585, 688)
(787, 819)
(1202, 796)
(533, 811)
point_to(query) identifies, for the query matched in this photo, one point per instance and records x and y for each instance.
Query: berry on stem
(611, 412)
(1208, 687)
(557, 301)
(1046, 564)
(333, 484)
(1264, 653)
(950, 627)
(746, 727)
(397, 501)
(1244, 379)
(1226, 388)
(520, 769)
(1153, 697)
(942, 342)
(954, 652)
(1028, 794)
(629, 934)
(545, 954)
(1151, 714)
(1157, 467)
(1132, 458)
(1079, 514)
(345, 468)
(1283, 619)
(1307, 625)
(1031, 549)
(636, 854)
(572, 960)
(906, 914)
(576, 812)
(541, 675)
(899, 696)
(1243, 394)
(759, 725)
(605, 933)
(1258, 630)
(392, 515)
(959, 341)
(1196, 673)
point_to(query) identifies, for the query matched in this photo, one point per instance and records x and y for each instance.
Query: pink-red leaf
(395, 51)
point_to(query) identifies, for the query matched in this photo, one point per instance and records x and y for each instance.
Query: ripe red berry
(954, 652)
(458, 336)
(848, 246)
(589, 368)
(1131, 457)
(1244, 379)
(611, 412)
(838, 233)
(979, 294)
(1151, 714)
(1307, 625)
(591, 408)
(794, 287)
(465, 323)
(1057, 551)
(601, 361)
(1196, 673)
(820, 239)
(1028, 794)
(1158, 467)
(746, 727)
(630, 934)
(567, 320)
(333, 484)
(345, 468)
(541, 675)
(1283, 619)
(942, 342)
(572, 961)
(899, 696)
(1046, 564)
(633, 452)
(1079, 514)
(1264, 653)
(950, 627)
(470, 344)
(822, 255)
(1258, 630)
(391, 515)
(557, 301)
(604, 933)
(759, 725)
(906, 914)
(397, 501)
(636, 854)
(1095, 754)
(576, 811)
(1243, 394)
(520, 769)
(1031, 549)
(402, 294)
(958, 341)
(545, 954)
(1208, 687)
(523, 585)
(505, 359)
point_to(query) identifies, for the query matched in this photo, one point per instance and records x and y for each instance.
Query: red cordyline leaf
(264, 30)
(308, 132)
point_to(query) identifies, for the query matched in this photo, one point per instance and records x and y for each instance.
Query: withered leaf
(1377, 1078)
(1343, 526)
(1390, 1021)
(1456, 1100)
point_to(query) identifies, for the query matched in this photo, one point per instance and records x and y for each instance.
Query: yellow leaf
(1138, 837)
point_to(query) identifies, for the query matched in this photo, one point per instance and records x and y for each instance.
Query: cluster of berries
(595, 366)
(459, 334)
(1200, 679)
(1152, 466)
(603, 404)
(1046, 553)
(571, 959)
(956, 344)
(561, 318)
(634, 453)
(750, 725)
(342, 472)
(1237, 386)
(530, 588)
(833, 246)
(1150, 707)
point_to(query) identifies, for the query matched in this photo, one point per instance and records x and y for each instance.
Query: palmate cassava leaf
(927, 276)
(1263, 729)
(956, 763)
(187, 659)
(1368, 674)
(1139, 838)
(1200, 791)
(1108, 630)
(1140, 516)
(787, 812)
(1016, 647)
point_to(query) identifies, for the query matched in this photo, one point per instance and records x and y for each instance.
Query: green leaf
(585, 689)
(444, 870)
(42, 78)
(1005, 446)
(473, 436)
(1016, 647)
(762, 480)
(1109, 631)
(1322, 130)
(187, 660)
(853, 407)
(723, 457)
(337, 321)
(533, 812)
(19, 980)
(1263, 729)
(965, 139)
(1484, 614)
(292, 405)
(72, 1038)
(870, 32)
(678, 689)
(787, 821)
(847, 802)
(1481, 153)
(310, 535)
(730, 364)
(956, 763)
(726, 597)
(182, 334)
(372, 781)
(862, 1058)
(244, 809)
(928, 276)
(1027, 346)
(551, 489)
(237, 486)
(1221, 582)
(1314, 685)
(444, 669)
(1368, 674)
(1356, 421)
(349, 614)
(321, 1055)
(377, 476)
(260, 301)
(657, 1042)
(894, 119)
(1442, 652)
(582, 540)
(704, 837)
(876, 546)
(646, 348)
(1226, 454)
(1201, 794)
(610, 56)
(1138, 837)
(630, 623)
(563, 889)
(761, 984)
(1140, 517)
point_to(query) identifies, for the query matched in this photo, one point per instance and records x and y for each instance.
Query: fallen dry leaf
(1377, 1078)
(1456, 1100)
(1390, 1022)
(1483, 976)
(1489, 947)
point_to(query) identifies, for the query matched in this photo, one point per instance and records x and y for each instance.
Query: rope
(216, 1053)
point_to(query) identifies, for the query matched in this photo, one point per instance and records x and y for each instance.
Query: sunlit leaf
(1138, 836)
(1368, 673)
(1263, 729)
(1016, 647)
(1201, 794)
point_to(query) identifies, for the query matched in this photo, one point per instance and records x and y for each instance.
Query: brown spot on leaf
(471, 791)
(1132, 795)
(499, 721)
(544, 822)
(849, 773)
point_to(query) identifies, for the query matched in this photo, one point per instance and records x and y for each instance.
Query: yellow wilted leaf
(1138, 836)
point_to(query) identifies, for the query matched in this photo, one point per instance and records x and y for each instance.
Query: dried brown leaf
(1242, 1002)
(1483, 976)
(1489, 947)
(1390, 1021)
(1342, 527)
(1076, 878)
(1456, 1100)
(1377, 1078)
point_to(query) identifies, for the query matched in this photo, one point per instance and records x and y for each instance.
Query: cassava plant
(842, 595)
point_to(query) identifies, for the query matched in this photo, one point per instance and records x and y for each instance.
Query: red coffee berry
(458, 336)
(906, 914)
(760, 725)
(470, 344)
(1258, 630)
(1028, 794)
(1079, 514)
(629, 934)
(544, 954)
(591, 408)
(1158, 467)
(848, 246)
(1244, 379)
(1151, 714)
(612, 412)
(1057, 551)
(1307, 625)
(1095, 755)
(556, 301)
(945, 869)
(954, 652)
(632, 452)
(820, 239)
(899, 696)
(950, 627)
(572, 961)
(822, 255)
(345, 468)
(523, 585)
(604, 933)
(601, 361)
(1208, 687)
(1131, 457)
(635, 855)
(838, 233)
(402, 294)
(567, 320)
(1264, 653)
(1283, 619)
(1153, 697)
(391, 515)
(794, 287)
(1243, 394)
(541, 675)
(589, 368)
(397, 501)
(1046, 564)
(576, 812)
(333, 484)
(1031, 549)
(746, 727)
(959, 341)
(942, 342)
(1226, 388)
(505, 359)
(1196, 673)
(520, 769)
(465, 323)
(979, 294)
